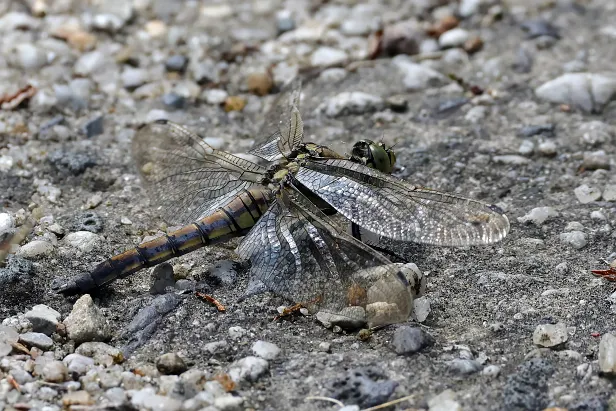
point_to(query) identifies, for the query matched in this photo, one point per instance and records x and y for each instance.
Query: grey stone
(43, 318)
(171, 364)
(539, 215)
(38, 340)
(265, 350)
(349, 318)
(78, 364)
(352, 102)
(609, 192)
(177, 63)
(35, 249)
(586, 194)
(453, 38)
(134, 77)
(21, 376)
(365, 386)
(94, 127)
(162, 277)
(55, 371)
(527, 388)
(86, 322)
(575, 239)
(596, 160)
(147, 398)
(29, 56)
(174, 101)
(409, 340)
(248, 369)
(327, 56)
(84, 241)
(101, 353)
(589, 92)
(464, 366)
(416, 76)
(236, 332)
(550, 335)
(607, 354)
(445, 401)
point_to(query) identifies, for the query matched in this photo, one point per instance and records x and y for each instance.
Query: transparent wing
(283, 125)
(399, 210)
(186, 177)
(298, 253)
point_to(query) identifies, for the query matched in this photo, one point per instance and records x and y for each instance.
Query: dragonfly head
(374, 155)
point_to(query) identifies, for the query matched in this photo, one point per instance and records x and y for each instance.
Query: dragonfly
(286, 206)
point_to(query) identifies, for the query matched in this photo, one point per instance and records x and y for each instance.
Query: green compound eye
(374, 155)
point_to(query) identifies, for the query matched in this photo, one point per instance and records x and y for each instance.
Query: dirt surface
(485, 302)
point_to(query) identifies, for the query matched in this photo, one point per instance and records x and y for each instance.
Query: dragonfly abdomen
(234, 219)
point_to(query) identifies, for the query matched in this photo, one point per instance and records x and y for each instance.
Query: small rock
(78, 364)
(236, 332)
(539, 28)
(409, 340)
(416, 76)
(260, 83)
(94, 201)
(89, 221)
(476, 114)
(215, 96)
(609, 192)
(464, 366)
(353, 102)
(162, 277)
(94, 127)
(86, 322)
(30, 57)
(526, 148)
(171, 364)
(228, 403)
(325, 347)
(55, 371)
(327, 56)
(43, 318)
(21, 376)
(405, 37)
(469, 7)
(8, 336)
(576, 239)
(80, 397)
(594, 133)
(607, 354)
(539, 129)
(453, 38)
(527, 389)
(586, 194)
(133, 78)
(589, 92)
(421, 309)
(38, 340)
(539, 215)
(147, 399)
(101, 353)
(491, 371)
(548, 148)
(215, 347)
(174, 101)
(265, 350)
(550, 335)
(445, 401)
(6, 222)
(284, 21)
(235, 103)
(85, 241)
(176, 63)
(35, 248)
(248, 369)
(596, 160)
(349, 318)
(511, 159)
(365, 386)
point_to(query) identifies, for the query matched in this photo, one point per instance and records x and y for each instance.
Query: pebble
(6, 222)
(162, 276)
(491, 371)
(417, 76)
(101, 353)
(464, 366)
(476, 114)
(349, 318)
(511, 159)
(538, 28)
(43, 318)
(247, 369)
(215, 96)
(526, 148)
(538, 129)
(607, 354)
(86, 322)
(78, 364)
(35, 249)
(38, 340)
(236, 332)
(55, 371)
(147, 399)
(328, 56)
(421, 308)
(80, 397)
(589, 92)
(133, 78)
(90, 63)
(21, 376)
(266, 350)
(177, 63)
(576, 239)
(445, 401)
(539, 215)
(352, 103)
(595, 133)
(550, 335)
(596, 160)
(453, 38)
(364, 386)
(229, 403)
(84, 241)
(284, 21)
(547, 148)
(409, 340)
(586, 194)
(609, 192)
(325, 346)
(8, 336)
(30, 57)
(467, 8)
(171, 364)
(174, 101)
(94, 127)
(527, 388)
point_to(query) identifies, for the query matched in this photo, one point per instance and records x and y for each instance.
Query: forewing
(186, 177)
(283, 125)
(298, 253)
(399, 210)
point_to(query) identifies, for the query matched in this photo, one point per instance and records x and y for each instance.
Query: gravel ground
(527, 122)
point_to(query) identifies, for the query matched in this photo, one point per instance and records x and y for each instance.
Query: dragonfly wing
(186, 177)
(399, 210)
(283, 124)
(300, 254)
